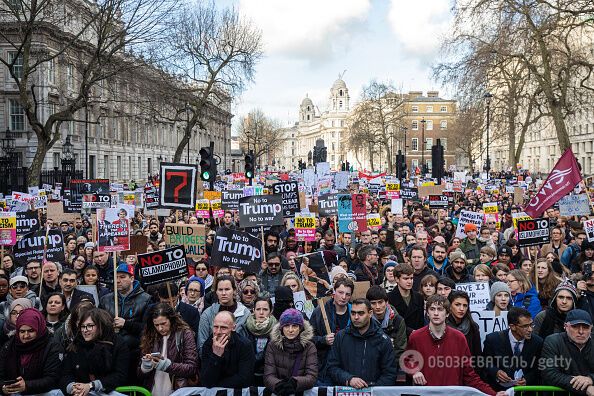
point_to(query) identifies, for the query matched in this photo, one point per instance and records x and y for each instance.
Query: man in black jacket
(227, 358)
(417, 256)
(507, 351)
(407, 302)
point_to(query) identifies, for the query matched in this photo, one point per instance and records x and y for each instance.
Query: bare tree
(260, 134)
(90, 39)
(215, 53)
(465, 133)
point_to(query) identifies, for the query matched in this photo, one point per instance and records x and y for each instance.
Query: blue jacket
(440, 271)
(528, 300)
(369, 356)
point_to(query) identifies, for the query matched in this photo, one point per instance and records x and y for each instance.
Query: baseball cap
(578, 316)
(505, 250)
(126, 269)
(18, 278)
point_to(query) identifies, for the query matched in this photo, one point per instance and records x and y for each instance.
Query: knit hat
(23, 302)
(389, 264)
(198, 279)
(498, 287)
(457, 254)
(335, 271)
(89, 245)
(469, 227)
(291, 316)
(567, 286)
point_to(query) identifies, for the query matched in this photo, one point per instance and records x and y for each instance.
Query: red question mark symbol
(184, 176)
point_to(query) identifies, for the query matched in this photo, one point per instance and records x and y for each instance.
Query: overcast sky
(307, 43)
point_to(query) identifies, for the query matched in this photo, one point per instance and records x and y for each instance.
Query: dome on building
(306, 102)
(339, 84)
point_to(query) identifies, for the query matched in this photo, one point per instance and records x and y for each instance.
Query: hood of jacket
(306, 335)
(31, 296)
(450, 272)
(374, 328)
(431, 264)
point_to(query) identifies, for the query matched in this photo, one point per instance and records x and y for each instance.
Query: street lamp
(68, 161)
(8, 143)
(488, 98)
(188, 130)
(423, 169)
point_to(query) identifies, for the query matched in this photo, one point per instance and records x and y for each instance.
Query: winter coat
(528, 300)
(282, 363)
(270, 282)
(413, 313)
(36, 382)
(234, 369)
(465, 277)
(440, 271)
(181, 350)
(395, 328)
(369, 356)
(132, 308)
(207, 318)
(106, 363)
(5, 305)
(418, 277)
(472, 251)
(558, 346)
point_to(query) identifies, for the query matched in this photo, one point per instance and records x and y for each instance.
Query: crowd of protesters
(223, 327)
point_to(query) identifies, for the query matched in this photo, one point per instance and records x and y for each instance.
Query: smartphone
(9, 382)
(156, 354)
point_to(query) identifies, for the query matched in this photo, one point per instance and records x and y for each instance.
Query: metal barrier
(537, 389)
(133, 390)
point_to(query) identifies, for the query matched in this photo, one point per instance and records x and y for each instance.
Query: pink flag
(560, 182)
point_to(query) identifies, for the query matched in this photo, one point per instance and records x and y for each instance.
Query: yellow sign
(428, 183)
(374, 222)
(519, 216)
(392, 186)
(216, 204)
(305, 222)
(202, 204)
(490, 207)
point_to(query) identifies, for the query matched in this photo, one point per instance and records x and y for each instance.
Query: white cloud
(309, 29)
(420, 25)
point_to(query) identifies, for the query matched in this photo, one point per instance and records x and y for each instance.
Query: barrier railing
(537, 389)
(133, 390)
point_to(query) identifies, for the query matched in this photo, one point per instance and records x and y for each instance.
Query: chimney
(415, 94)
(433, 94)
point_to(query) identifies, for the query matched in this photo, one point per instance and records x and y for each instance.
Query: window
(429, 109)
(340, 104)
(51, 71)
(106, 166)
(415, 144)
(17, 116)
(69, 76)
(415, 163)
(443, 124)
(428, 143)
(17, 67)
(119, 164)
(414, 109)
(140, 175)
(444, 143)
(443, 109)
(415, 125)
(56, 160)
(342, 123)
(429, 126)
(332, 123)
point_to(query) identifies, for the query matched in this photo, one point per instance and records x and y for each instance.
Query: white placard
(478, 293)
(488, 322)
(467, 217)
(574, 205)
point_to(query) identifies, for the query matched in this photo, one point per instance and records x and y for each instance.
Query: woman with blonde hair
(482, 273)
(523, 293)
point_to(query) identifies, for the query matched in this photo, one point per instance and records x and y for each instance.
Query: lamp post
(68, 161)
(423, 170)
(189, 131)
(488, 97)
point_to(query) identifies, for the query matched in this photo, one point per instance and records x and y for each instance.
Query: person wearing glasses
(247, 292)
(30, 361)
(508, 351)
(33, 274)
(18, 288)
(202, 272)
(97, 361)
(272, 273)
(194, 292)
(523, 294)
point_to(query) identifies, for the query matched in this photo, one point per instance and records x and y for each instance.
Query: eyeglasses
(274, 264)
(15, 313)
(201, 269)
(33, 268)
(511, 281)
(248, 291)
(527, 325)
(193, 290)
(19, 285)
(87, 327)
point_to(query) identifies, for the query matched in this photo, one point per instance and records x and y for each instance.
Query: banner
(396, 206)
(113, 230)
(79, 187)
(203, 208)
(8, 233)
(230, 199)
(32, 245)
(533, 232)
(352, 214)
(339, 391)
(490, 208)
(489, 323)
(478, 293)
(237, 249)
(574, 205)
(191, 236)
(96, 201)
(27, 222)
(305, 227)
(328, 205)
(178, 186)
(409, 193)
(392, 190)
(260, 210)
(589, 228)
(163, 265)
(560, 182)
(438, 202)
(374, 221)
(468, 217)
(151, 197)
(40, 200)
(289, 192)
(217, 211)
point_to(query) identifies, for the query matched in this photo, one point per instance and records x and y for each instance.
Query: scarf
(388, 316)
(260, 329)
(463, 326)
(292, 346)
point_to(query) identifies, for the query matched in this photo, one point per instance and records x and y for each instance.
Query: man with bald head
(227, 358)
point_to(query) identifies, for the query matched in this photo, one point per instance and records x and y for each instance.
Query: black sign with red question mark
(178, 186)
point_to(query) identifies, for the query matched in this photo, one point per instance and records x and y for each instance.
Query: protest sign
(518, 195)
(409, 193)
(322, 169)
(519, 216)
(374, 221)
(40, 200)
(8, 233)
(163, 265)
(352, 214)
(327, 205)
(467, 217)
(392, 190)
(191, 236)
(478, 293)
(178, 186)
(574, 205)
(489, 323)
(589, 228)
(96, 201)
(305, 226)
(55, 210)
(302, 304)
(151, 197)
(360, 289)
(230, 199)
(438, 201)
(260, 210)
(27, 222)
(289, 191)
(237, 249)
(217, 211)
(533, 232)
(427, 190)
(341, 180)
(79, 187)
(138, 245)
(397, 206)
(32, 246)
(113, 230)
(203, 208)
(490, 208)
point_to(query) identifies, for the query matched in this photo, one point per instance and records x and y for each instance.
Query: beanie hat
(567, 286)
(469, 227)
(291, 316)
(389, 264)
(89, 245)
(457, 254)
(498, 287)
(335, 271)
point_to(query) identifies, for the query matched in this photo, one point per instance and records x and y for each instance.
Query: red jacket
(446, 361)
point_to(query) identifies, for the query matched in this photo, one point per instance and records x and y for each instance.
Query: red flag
(560, 182)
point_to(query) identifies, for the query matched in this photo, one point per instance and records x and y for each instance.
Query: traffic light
(249, 166)
(316, 155)
(208, 164)
(437, 159)
(400, 166)
(323, 154)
